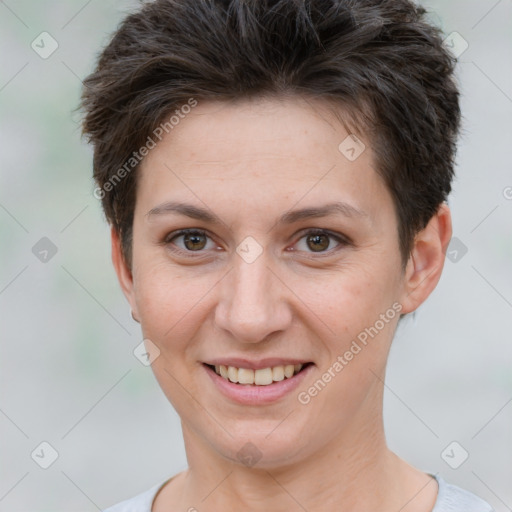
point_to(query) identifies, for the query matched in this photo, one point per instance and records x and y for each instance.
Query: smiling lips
(259, 377)
(262, 382)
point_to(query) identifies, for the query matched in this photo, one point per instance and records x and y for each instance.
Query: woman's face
(291, 257)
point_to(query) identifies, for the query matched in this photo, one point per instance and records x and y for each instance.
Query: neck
(356, 471)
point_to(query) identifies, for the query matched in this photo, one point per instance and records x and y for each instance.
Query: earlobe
(124, 273)
(426, 261)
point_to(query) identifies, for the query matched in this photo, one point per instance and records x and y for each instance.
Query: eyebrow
(195, 212)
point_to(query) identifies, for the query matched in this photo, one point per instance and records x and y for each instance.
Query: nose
(253, 303)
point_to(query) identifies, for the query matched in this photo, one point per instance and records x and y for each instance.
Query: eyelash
(340, 239)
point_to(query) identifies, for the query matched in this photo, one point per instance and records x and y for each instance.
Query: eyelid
(167, 241)
(322, 231)
(184, 231)
(341, 239)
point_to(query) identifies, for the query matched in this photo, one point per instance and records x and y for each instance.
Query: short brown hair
(380, 60)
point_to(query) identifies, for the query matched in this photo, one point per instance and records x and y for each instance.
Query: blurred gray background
(68, 376)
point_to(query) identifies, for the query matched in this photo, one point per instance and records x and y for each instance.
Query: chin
(253, 447)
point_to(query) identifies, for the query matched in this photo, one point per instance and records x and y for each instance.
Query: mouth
(265, 383)
(258, 377)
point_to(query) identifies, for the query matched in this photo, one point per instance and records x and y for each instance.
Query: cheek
(348, 300)
(354, 311)
(169, 303)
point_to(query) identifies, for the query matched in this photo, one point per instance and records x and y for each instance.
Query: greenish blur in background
(68, 376)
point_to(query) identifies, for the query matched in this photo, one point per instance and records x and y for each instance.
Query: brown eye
(318, 242)
(321, 241)
(194, 241)
(190, 240)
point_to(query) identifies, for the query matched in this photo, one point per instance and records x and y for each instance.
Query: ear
(426, 261)
(124, 273)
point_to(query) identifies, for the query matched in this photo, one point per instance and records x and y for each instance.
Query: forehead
(263, 150)
(291, 128)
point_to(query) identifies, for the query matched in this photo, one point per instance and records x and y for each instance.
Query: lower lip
(247, 394)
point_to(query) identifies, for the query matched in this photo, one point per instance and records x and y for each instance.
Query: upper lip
(239, 362)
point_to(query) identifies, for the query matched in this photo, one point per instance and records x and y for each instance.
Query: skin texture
(249, 163)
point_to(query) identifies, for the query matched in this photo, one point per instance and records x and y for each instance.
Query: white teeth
(233, 374)
(245, 376)
(278, 373)
(261, 377)
(288, 370)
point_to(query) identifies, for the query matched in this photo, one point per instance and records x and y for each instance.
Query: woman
(275, 175)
